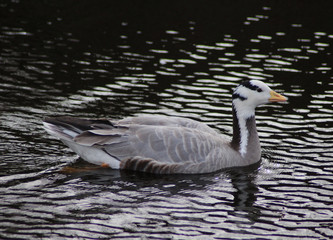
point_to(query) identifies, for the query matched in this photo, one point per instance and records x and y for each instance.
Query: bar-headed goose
(169, 145)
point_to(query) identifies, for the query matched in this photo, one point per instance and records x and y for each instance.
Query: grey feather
(164, 145)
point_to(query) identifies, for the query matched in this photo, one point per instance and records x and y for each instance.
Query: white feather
(93, 155)
(246, 108)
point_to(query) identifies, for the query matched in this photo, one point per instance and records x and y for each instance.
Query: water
(111, 59)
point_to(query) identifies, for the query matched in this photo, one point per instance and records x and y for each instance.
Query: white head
(250, 94)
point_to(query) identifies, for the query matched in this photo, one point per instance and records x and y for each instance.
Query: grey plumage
(166, 145)
(156, 144)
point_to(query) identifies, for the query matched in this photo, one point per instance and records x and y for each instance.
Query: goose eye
(259, 90)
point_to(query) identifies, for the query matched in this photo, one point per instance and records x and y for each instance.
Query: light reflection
(320, 34)
(280, 34)
(228, 65)
(224, 44)
(321, 44)
(297, 25)
(228, 78)
(279, 62)
(292, 50)
(254, 60)
(179, 39)
(217, 69)
(159, 51)
(17, 32)
(165, 73)
(252, 19)
(259, 72)
(206, 47)
(124, 46)
(323, 68)
(196, 56)
(187, 61)
(245, 75)
(164, 61)
(256, 55)
(131, 84)
(264, 37)
(282, 69)
(172, 32)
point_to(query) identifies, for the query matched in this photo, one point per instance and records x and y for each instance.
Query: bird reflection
(243, 181)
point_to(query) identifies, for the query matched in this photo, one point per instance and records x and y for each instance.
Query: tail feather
(68, 128)
(59, 131)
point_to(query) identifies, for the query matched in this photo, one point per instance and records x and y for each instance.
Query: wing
(160, 120)
(164, 144)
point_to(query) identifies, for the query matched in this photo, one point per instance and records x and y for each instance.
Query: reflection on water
(111, 202)
(182, 65)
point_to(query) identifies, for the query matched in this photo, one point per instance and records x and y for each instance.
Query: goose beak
(275, 97)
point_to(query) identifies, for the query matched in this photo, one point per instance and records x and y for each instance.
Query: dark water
(111, 59)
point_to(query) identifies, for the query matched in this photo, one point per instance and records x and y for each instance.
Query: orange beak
(275, 97)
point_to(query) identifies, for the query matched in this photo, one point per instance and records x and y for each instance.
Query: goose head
(250, 94)
(246, 97)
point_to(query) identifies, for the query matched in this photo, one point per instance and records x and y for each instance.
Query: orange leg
(105, 165)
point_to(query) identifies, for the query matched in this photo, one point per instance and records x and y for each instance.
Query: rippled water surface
(112, 59)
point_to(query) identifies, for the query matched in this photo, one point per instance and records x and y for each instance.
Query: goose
(166, 144)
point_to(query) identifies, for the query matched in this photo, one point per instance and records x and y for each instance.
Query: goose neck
(245, 137)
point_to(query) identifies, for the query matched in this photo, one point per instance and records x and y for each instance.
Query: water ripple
(182, 67)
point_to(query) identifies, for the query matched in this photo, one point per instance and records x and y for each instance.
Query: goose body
(169, 145)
